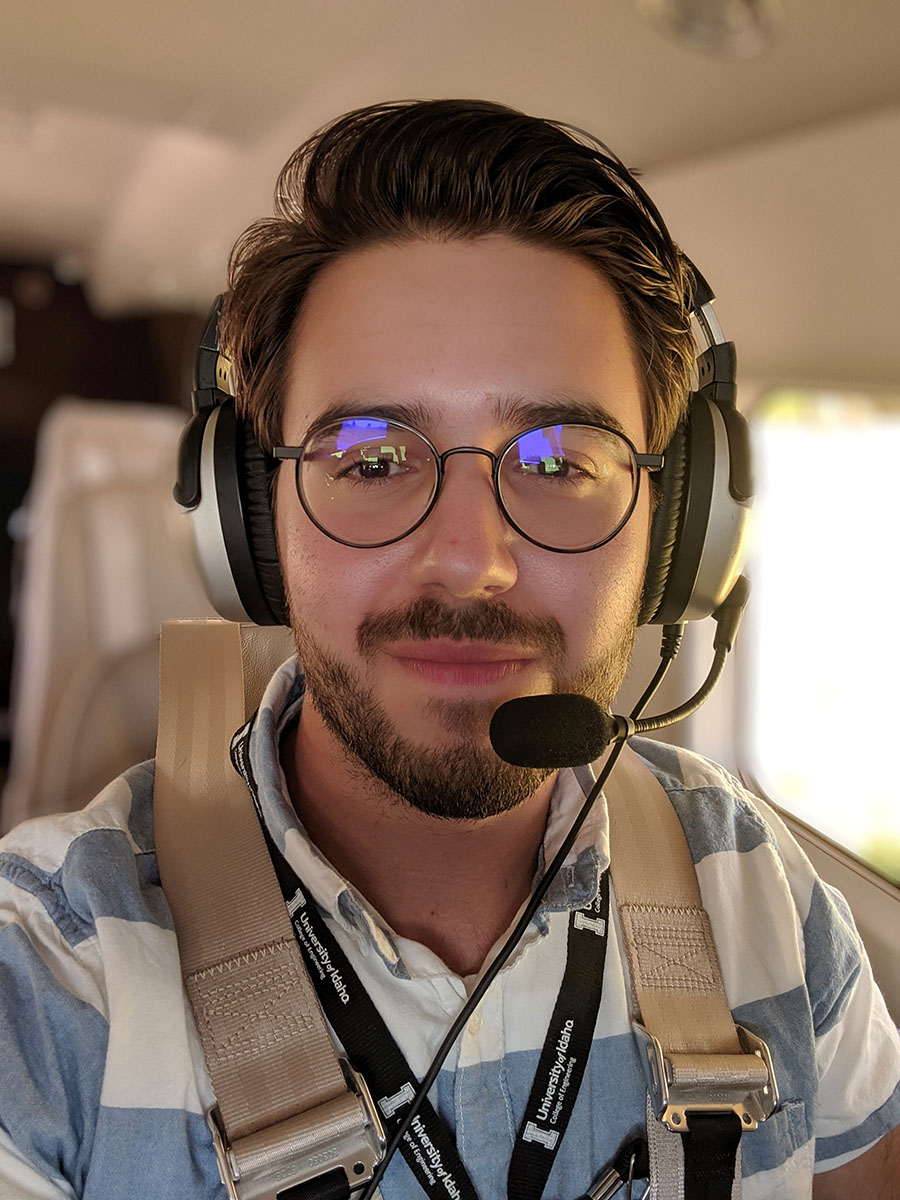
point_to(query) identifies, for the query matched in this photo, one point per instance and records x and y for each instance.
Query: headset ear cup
(256, 476)
(667, 517)
(226, 493)
(698, 534)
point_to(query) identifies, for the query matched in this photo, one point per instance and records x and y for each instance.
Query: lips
(460, 663)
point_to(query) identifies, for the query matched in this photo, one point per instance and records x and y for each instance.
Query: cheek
(304, 554)
(596, 595)
(330, 587)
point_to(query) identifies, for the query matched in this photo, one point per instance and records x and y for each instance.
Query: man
(448, 282)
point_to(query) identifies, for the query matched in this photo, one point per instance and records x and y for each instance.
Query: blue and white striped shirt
(103, 1087)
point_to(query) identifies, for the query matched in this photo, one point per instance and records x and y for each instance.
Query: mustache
(491, 621)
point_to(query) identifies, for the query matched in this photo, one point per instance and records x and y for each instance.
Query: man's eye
(377, 468)
(368, 468)
(554, 466)
(383, 463)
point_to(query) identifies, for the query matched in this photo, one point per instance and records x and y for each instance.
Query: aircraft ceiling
(137, 139)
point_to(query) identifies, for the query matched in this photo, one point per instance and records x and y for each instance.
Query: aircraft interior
(137, 141)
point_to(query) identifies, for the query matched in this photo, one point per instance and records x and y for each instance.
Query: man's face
(409, 648)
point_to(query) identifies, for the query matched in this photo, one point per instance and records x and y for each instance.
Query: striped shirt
(103, 1087)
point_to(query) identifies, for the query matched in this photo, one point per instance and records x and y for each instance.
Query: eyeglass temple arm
(650, 462)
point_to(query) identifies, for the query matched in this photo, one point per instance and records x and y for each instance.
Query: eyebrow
(360, 403)
(563, 406)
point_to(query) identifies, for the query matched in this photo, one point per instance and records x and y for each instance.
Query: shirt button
(475, 1022)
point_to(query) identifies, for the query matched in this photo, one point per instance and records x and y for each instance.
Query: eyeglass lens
(368, 482)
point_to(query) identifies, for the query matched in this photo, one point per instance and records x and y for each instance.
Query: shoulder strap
(668, 939)
(699, 1064)
(285, 1112)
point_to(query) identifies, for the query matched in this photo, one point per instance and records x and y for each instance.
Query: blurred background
(137, 140)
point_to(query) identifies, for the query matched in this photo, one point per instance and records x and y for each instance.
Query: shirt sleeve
(53, 1036)
(857, 1046)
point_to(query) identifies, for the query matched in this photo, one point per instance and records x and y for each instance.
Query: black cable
(649, 724)
(727, 618)
(670, 646)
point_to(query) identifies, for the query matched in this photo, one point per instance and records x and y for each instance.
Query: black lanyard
(429, 1147)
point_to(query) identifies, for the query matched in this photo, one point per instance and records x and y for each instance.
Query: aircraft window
(821, 650)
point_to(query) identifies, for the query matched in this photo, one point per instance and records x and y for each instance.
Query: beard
(465, 780)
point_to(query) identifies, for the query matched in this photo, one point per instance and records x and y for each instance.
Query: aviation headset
(697, 535)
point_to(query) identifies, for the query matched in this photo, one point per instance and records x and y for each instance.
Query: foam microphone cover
(563, 730)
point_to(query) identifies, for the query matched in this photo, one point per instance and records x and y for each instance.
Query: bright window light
(822, 652)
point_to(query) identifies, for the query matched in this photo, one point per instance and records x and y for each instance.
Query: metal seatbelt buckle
(342, 1135)
(680, 1084)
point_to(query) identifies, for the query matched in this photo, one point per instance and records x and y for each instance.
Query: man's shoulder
(739, 843)
(717, 812)
(96, 1040)
(74, 867)
(781, 932)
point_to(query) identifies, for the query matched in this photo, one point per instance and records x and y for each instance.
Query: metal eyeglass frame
(642, 462)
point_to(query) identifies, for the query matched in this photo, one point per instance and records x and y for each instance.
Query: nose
(464, 548)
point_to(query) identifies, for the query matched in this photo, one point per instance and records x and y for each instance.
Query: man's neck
(454, 886)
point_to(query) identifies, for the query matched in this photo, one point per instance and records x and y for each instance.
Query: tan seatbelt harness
(292, 1119)
(288, 1110)
(695, 1058)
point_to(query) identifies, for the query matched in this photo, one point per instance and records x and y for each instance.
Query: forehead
(462, 339)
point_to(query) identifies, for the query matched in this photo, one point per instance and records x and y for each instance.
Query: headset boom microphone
(563, 730)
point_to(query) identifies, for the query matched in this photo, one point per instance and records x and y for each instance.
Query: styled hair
(455, 169)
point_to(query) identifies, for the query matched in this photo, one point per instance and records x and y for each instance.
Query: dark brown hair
(455, 169)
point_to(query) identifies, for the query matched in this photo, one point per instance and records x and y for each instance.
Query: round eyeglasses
(367, 482)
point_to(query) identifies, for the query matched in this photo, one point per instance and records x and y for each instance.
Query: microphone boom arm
(727, 618)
